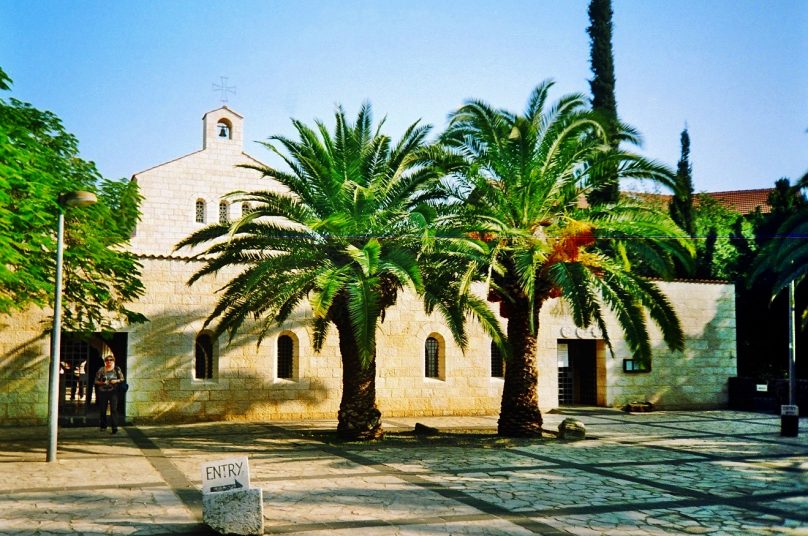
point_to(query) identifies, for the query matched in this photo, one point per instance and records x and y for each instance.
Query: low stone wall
(695, 378)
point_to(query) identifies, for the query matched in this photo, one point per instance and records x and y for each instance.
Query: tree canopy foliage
(348, 232)
(523, 176)
(721, 236)
(39, 160)
(602, 85)
(681, 205)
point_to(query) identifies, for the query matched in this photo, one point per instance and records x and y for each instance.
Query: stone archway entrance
(80, 359)
(577, 372)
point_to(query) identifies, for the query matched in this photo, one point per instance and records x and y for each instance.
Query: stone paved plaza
(717, 472)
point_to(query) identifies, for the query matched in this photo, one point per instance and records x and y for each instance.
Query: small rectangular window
(431, 365)
(632, 366)
(497, 365)
(285, 357)
(200, 211)
(203, 364)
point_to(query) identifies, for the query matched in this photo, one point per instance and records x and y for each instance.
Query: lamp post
(70, 199)
(789, 414)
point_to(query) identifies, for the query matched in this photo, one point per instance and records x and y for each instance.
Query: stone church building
(178, 371)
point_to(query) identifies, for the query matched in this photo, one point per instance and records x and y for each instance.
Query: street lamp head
(77, 199)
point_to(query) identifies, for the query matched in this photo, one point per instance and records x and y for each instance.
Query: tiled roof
(742, 201)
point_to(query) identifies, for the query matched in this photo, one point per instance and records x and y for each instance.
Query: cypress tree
(681, 205)
(602, 87)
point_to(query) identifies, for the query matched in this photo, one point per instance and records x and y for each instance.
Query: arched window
(497, 365)
(431, 358)
(286, 357)
(200, 211)
(203, 369)
(224, 212)
(245, 209)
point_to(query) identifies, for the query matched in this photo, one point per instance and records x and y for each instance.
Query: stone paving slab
(631, 432)
(722, 427)
(720, 473)
(428, 459)
(722, 478)
(791, 506)
(492, 527)
(378, 498)
(725, 446)
(605, 453)
(140, 510)
(712, 520)
(550, 488)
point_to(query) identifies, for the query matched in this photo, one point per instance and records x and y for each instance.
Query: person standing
(107, 380)
(82, 373)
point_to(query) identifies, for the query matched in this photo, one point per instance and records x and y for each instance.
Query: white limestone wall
(24, 367)
(697, 377)
(464, 385)
(245, 386)
(170, 190)
(162, 359)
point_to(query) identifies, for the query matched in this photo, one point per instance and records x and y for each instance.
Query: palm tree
(524, 182)
(350, 233)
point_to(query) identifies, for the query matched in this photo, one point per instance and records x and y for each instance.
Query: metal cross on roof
(224, 89)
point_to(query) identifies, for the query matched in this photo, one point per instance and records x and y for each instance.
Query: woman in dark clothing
(107, 380)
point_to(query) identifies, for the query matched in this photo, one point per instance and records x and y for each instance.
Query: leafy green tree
(602, 85)
(723, 235)
(762, 270)
(681, 205)
(38, 162)
(522, 182)
(351, 231)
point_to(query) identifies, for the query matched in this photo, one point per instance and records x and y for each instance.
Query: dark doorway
(577, 372)
(80, 359)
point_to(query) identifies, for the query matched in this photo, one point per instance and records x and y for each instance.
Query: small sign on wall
(789, 411)
(225, 475)
(762, 387)
(632, 365)
(563, 353)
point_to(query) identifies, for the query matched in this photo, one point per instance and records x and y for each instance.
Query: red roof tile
(741, 201)
(744, 201)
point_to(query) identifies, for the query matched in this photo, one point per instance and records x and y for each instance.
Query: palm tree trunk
(519, 414)
(358, 418)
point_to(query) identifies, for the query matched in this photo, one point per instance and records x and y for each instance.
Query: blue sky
(132, 79)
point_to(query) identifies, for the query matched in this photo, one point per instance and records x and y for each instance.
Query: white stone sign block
(235, 512)
(789, 411)
(225, 475)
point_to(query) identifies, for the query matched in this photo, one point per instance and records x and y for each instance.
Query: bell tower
(222, 128)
